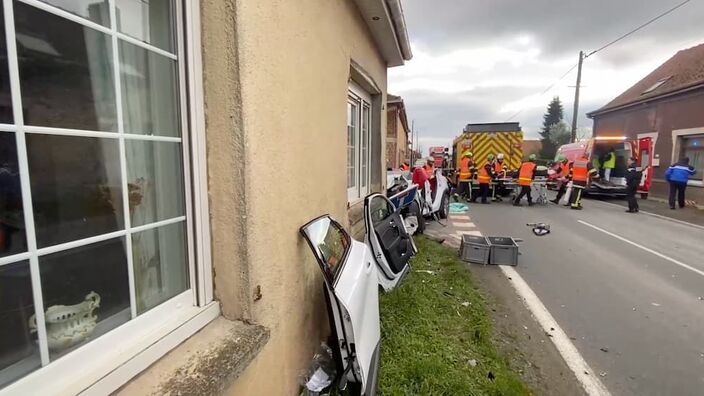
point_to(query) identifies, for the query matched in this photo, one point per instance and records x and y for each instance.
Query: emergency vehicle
(624, 148)
(490, 138)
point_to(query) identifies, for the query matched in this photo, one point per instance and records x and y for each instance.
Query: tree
(560, 134)
(554, 115)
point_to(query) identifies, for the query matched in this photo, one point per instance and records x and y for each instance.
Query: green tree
(552, 117)
(560, 134)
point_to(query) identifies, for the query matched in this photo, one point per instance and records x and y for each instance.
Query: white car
(352, 274)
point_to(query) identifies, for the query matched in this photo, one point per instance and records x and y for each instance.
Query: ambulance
(625, 148)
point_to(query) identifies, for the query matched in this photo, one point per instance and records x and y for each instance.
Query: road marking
(649, 250)
(656, 215)
(585, 375)
(459, 217)
(463, 225)
(473, 232)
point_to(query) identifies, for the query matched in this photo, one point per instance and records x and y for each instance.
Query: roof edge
(387, 25)
(682, 90)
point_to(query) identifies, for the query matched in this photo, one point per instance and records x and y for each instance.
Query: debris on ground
(426, 272)
(491, 375)
(602, 374)
(654, 304)
(700, 298)
(466, 304)
(472, 362)
(458, 207)
(604, 349)
(321, 372)
(540, 229)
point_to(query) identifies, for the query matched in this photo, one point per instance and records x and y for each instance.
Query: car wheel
(444, 207)
(415, 211)
(643, 195)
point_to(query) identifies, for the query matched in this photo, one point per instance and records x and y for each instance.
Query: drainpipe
(399, 23)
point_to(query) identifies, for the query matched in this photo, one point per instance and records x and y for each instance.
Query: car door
(387, 238)
(645, 156)
(352, 296)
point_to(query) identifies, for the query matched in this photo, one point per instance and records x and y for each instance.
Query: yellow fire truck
(491, 138)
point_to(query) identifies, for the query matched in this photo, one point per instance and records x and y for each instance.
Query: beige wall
(396, 138)
(276, 75)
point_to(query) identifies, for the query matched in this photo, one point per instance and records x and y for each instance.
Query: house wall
(276, 75)
(396, 138)
(661, 116)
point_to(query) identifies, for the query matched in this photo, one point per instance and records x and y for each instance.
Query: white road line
(656, 215)
(585, 375)
(475, 233)
(662, 256)
(463, 225)
(461, 218)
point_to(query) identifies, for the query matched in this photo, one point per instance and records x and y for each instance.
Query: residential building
(531, 146)
(397, 143)
(667, 106)
(156, 162)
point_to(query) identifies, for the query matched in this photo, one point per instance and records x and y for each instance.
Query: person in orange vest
(582, 170)
(500, 170)
(466, 172)
(429, 168)
(526, 174)
(484, 176)
(405, 166)
(564, 174)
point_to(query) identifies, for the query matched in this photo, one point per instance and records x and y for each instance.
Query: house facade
(667, 106)
(397, 143)
(157, 160)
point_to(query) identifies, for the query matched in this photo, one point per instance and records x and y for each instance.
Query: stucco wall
(276, 75)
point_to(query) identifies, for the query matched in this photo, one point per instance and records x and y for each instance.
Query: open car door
(352, 296)
(645, 157)
(388, 239)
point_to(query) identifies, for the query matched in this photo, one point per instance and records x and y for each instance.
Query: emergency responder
(500, 169)
(484, 176)
(582, 170)
(405, 166)
(678, 175)
(564, 175)
(429, 167)
(633, 176)
(466, 171)
(609, 164)
(526, 174)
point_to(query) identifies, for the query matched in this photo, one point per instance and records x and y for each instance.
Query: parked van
(597, 148)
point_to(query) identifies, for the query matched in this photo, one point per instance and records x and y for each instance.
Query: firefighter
(582, 170)
(500, 169)
(405, 166)
(484, 176)
(429, 167)
(466, 172)
(526, 174)
(564, 173)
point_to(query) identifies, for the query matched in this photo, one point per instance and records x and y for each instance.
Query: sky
(485, 60)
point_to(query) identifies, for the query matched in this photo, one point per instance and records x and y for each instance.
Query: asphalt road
(636, 316)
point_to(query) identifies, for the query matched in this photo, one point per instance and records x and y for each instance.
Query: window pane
(155, 178)
(12, 232)
(76, 187)
(19, 352)
(351, 143)
(160, 265)
(148, 21)
(97, 11)
(365, 146)
(149, 92)
(5, 96)
(86, 293)
(66, 73)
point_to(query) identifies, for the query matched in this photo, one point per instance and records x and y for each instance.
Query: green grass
(429, 336)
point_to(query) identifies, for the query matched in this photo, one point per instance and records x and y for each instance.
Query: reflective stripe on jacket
(465, 172)
(610, 161)
(580, 170)
(525, 175)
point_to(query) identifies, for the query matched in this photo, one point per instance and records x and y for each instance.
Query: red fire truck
(441, 155)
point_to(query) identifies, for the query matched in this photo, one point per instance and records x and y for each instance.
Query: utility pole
(413, 127)
(575, 111)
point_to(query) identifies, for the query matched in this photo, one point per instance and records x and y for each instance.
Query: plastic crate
(475, 249)
(504, 251)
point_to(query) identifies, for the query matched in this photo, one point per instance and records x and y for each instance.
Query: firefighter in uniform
(484, 176)
(500, 170)
(526, 174)
(467, 171)
(564, 172)
(429, 167)
(582, 169)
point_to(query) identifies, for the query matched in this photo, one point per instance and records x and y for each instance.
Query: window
(358, 142)
(693, 147)
(655, 86)
(95, 223)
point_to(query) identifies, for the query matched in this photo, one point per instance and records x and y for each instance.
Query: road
(636, 315)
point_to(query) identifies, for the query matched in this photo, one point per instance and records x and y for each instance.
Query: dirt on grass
(437, 336)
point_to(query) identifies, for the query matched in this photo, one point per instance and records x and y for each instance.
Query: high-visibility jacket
(485, 174)
(404, 167)
(564, 169)
(465, 171)
(500, 167)
(580, 170)
(428, 171)
(525, 174)
(610, 161)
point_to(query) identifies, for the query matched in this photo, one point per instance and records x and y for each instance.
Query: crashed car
(404, 195)
(352, 274)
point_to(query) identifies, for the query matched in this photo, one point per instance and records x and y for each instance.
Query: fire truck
(441, 155)
(624, 148)
(493, 138)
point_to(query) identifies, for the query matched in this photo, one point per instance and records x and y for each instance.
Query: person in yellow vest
(582, 170)
(526, 174)
(609, 164)
(500, 170)
(466, 172)
(484, 176)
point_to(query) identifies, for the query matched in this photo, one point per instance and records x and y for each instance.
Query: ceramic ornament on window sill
(68, 325)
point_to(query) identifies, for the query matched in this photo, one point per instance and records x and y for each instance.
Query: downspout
(399, 23)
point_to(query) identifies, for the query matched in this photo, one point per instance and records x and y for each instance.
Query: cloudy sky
(484, 60)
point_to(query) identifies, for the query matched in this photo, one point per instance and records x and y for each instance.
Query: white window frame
(103, 365)
(358, 97)
(678, 136)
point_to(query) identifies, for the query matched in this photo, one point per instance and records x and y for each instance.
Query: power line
(638, 28)
(551, 86)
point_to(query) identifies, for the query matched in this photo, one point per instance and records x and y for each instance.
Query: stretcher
(539, 188)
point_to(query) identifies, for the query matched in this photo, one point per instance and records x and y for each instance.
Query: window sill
(207, 363)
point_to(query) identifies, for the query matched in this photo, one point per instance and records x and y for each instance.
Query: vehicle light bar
(610, 138)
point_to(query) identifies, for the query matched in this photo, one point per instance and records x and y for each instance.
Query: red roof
(683, 70)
